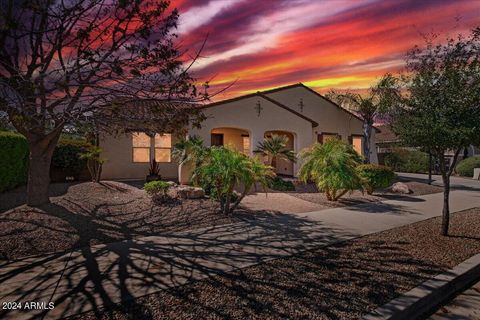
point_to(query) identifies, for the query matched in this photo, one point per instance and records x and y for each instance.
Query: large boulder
(188, 192)
(400, 187)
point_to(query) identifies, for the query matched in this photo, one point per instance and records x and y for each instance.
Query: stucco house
(298, 112)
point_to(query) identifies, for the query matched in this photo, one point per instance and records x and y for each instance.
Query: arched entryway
(284, 166)
(236, 138)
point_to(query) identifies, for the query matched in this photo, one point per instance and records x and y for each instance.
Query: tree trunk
(429, 168)
(367, 133)
(41, 151)
(95, 169)
(274, 163)
(446, 207)
(240, 198)
(446, 189)
(446, 193)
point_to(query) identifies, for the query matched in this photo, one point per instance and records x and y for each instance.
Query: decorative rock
(400, 187)
(187, 192)
(171, 184)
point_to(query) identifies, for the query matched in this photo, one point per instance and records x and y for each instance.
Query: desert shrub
(332, 167)
(224, 169)
(13, 160)
(466, 166)
(404, 160)
(279, 184)
(157, 189)
(374, 176)
(67, 155)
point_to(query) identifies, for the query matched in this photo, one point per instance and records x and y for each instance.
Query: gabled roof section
(281, 105)
(301, 85)
(386, 135)
(261, 95)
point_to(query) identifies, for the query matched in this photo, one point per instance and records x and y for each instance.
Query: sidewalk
(97, 276)
(465, 306)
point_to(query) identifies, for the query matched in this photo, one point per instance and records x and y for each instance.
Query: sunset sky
(339, 44)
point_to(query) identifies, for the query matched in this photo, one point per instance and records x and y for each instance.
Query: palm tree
(332, 167)
(257, 174)
(189, 152)
(224, 169)
(368, 107)
(275, 147)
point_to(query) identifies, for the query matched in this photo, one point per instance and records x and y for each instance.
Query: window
(324, 137)
(246, 144)
(163, 147)
(141, 147)
(357, 144)
(217, 139)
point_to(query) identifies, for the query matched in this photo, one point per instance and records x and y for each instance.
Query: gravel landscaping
(84, 214)
(341, 281)
(309, 193)
(90, 213)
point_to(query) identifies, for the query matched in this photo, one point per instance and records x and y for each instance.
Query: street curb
(422, 300)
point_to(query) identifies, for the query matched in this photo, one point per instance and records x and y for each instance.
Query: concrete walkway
(93, 277)
(465, 306)
(455, 182)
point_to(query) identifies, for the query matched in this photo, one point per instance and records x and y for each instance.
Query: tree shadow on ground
(105, 275)
(297, 276)
(335, 282)
(17, 197)
(383, 208)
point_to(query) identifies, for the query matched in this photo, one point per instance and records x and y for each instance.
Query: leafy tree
(435, 106)
(94, 162)
(275, 147)
(332, 167)
(225, 169)
(110, 63)
(368, 107)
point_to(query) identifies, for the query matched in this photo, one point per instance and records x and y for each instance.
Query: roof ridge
(288, 86)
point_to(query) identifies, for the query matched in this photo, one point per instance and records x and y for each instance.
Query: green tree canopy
(435, 105)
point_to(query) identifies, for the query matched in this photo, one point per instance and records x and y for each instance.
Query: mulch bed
(342, 281)
(90, 213)
(309, 193)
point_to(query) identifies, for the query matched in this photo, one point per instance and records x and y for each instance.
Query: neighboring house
(386, 141)
(296, 111)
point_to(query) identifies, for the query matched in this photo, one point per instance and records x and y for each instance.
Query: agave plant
(275, 147)
(332, 166)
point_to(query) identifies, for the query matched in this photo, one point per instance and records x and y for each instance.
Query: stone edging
(424, 299)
